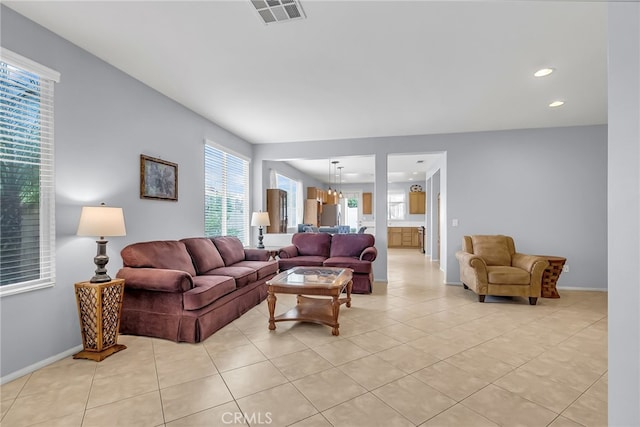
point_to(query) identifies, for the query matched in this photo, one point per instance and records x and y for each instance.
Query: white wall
(624, 214)
(104, 120)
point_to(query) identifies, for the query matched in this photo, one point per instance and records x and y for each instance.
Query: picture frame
(158, 179)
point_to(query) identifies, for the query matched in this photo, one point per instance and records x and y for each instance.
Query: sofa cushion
(350, 245)
(312, 244)
(206, 290)
(230, 248)
(300, 261)
(363, 267)
(242, 275)
(204, 254)
(263, 268)
(168, 254)
(494, 250)
(507, 275)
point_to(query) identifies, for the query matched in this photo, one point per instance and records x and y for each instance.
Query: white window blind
(27, 207)
(226, 207)
(396, 202)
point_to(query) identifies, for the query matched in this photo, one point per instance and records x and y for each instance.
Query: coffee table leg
(335, 305)
(271, 302)
(349, 286)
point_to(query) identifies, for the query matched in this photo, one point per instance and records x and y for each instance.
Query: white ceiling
(353, 69)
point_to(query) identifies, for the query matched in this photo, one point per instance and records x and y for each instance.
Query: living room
(562, 190)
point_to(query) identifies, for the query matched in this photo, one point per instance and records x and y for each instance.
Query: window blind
(226, 207)
(27, 208)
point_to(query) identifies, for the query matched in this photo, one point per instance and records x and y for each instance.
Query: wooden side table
(99, 308)
(551, 275)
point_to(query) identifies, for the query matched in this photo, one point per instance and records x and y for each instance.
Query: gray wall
(624, 214)
(545, 187)
(104, 120)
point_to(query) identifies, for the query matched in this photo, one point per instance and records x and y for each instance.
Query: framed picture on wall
(158, 179)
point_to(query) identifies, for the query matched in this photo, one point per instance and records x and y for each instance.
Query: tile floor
(423, 354)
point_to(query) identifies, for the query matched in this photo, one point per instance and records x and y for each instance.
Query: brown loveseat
(186, 290)
(490, 265)
(354, 251)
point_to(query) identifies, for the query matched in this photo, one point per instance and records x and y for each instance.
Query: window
(396, 201)
(27, 204)
(226, 193)
(295, 204)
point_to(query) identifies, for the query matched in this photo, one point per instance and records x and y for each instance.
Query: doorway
(351, 205)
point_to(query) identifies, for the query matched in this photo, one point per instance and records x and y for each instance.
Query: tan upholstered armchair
(490, 265)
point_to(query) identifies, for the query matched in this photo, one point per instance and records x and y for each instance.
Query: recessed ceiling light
(543, 72)
(556, 104)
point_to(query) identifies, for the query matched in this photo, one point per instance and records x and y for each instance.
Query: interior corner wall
(104, 120)
(624, 214)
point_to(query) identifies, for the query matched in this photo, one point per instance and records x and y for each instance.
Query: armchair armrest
(529, 262)
(256, 255)
(156, 279)
(369, 254)
(288, 252)
(472, 269)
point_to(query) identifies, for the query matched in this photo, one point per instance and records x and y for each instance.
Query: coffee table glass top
(313, 276)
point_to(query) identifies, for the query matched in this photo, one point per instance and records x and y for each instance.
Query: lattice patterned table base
(99, 307)
(551, 275)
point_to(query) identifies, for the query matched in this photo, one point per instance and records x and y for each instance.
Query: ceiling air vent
(278, 10)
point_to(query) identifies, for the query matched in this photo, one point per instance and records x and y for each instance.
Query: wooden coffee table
(316, 281)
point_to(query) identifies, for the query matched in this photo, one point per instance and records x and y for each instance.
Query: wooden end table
(315, 281)
(99, 309)
(551, 275)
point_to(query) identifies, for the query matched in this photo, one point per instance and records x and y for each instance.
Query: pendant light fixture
(340, 169)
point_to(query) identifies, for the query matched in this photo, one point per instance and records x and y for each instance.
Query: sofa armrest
(529, 262)
(256, 255)
(369, 254)
(156, 279)
(288, 252)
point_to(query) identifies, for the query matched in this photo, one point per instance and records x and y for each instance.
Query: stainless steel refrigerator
(330, 215)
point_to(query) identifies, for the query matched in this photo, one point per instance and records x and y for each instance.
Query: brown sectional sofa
(354, 251)
(186, 290)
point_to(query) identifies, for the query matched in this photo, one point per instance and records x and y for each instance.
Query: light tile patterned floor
(423, 354)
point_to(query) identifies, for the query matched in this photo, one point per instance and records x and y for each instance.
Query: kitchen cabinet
(367, 203)
(403, 237)
(417, 202)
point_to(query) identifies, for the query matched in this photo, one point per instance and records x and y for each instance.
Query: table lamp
(260, 219)
(101, 221)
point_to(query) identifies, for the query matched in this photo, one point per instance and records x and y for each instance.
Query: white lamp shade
(101, 221)
(260, 219)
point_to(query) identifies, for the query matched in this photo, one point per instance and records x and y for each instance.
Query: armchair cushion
(500, 274)
(494, 250)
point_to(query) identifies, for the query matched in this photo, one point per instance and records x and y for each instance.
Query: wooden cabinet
(417, 201)
(367, 203)
(312, 211)
(277, 208)
(394, 237)
(403, 237)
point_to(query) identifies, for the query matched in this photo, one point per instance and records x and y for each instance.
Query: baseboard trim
(560, 288)
(39, 365)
